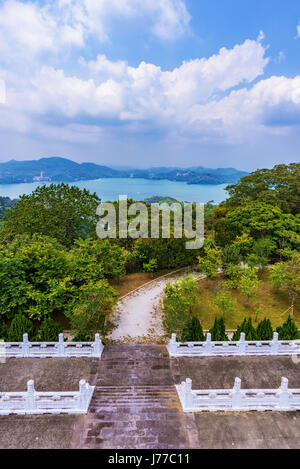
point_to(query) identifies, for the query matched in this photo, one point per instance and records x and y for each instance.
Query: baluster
(284, 394)
(242, 344)
(98, 346)
(188, 397)
(275, 344)
(173, 346)
(208, 344)
(61, 350)
(25, 346)
(30, 402)
(236, 394)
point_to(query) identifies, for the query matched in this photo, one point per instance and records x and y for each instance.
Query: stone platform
(135, 404)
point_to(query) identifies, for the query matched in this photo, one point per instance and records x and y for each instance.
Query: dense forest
(52, 264)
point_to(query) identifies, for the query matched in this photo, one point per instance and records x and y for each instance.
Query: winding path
(138, 314)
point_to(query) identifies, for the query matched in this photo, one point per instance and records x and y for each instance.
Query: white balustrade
(34, 402)
(237, 399)
(230, 348)
(58, 349)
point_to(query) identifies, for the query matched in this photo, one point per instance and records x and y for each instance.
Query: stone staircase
(135, 404)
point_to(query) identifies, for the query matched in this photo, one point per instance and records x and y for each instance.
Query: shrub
(21, 325)
(49, 330)
(3, 330)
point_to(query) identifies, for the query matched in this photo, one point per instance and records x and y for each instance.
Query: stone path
(138, 315)
(135, 404)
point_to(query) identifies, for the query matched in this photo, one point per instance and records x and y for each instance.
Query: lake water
(137, 189)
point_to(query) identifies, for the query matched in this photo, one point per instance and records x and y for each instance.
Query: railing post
(173, 345)
(208, 344)
(61, 346)
(275, 344)
(25, 346)
(82, 394)
(236, 394)
(30, 402)
(283, 394)
(188, 397)
(98, 346)
(242, 344)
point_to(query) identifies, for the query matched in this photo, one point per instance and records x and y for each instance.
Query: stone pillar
(98, 346)
(61, 346)
(236, 394)
(275, 344)
(283, 394)
(30, 403)
(172, 347)
(208, 344)
(189, 396)
(242, 344)
(82, 394)
(25, 346)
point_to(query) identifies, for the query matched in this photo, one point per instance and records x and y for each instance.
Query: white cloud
(298, 31)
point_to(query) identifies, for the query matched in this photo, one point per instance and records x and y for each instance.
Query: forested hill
(58, 169)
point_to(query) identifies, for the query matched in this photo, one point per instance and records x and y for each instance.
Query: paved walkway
(138, 315)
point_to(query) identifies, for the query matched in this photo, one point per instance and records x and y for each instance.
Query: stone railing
(240, 348)
(237, 399)
(34, 402)
(58, 349)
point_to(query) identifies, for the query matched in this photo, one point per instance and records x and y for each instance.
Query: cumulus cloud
(29, 28)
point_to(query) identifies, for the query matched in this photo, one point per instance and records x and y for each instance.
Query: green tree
(278, 187)
(249, 283)
(225, 303)
(21, 325)
(211, 262)
(96, 303)
(286, 276)
(288, 331)
(231, 255)
(49, 330)
(264, 330)
(192, 331)
(179, 299)
(60, 211)
(218, 331)
(246, 327)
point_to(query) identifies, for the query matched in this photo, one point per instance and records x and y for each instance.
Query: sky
(151, 82)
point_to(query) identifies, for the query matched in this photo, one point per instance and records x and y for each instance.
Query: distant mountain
(58, 169)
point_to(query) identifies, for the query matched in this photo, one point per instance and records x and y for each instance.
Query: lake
(138, 189)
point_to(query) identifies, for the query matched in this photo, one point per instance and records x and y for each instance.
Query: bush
(21, 325)
(49, 330)
(288, 331)
(192, 331)
(3, 330)
(264, 330)
(151, 266)
(246, 327)
(217, 332)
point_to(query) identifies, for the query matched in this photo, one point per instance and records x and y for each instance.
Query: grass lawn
(132, 281)
(273, 305)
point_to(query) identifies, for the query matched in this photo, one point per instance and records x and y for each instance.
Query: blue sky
(144, 82)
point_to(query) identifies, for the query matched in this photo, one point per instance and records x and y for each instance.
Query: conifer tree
(288, 331)
(218, 331)
(264, 330)
(246, 327)
(192, 331)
